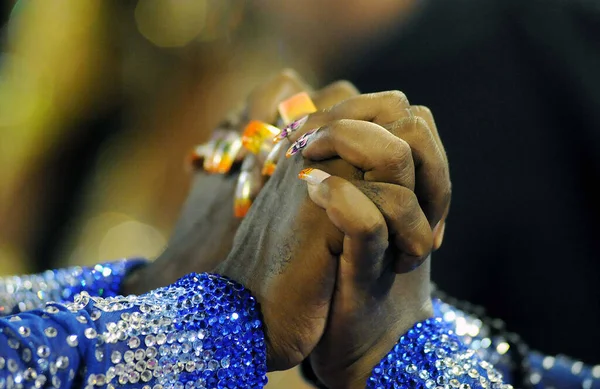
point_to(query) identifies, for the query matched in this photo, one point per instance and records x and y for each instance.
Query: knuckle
(396, 97)
(344, 86)
(372, 228)
(288, 75)
(422, 110)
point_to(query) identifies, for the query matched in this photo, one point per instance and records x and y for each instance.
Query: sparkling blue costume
(204, 331)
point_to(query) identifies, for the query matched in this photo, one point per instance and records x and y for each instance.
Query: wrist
(364, 368)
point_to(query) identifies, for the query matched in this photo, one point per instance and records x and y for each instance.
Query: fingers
(407, 154)
(326, 97)
(409, 228)
(432, 176)
(367, 146)
(264, 100)
(368, 217)
(380, 108)
(333, 93)
(364, 228)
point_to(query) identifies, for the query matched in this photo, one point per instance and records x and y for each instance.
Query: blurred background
(100, 100)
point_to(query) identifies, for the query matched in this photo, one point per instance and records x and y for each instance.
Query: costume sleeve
(204, 331)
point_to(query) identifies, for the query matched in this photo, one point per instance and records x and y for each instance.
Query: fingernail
(438, 234)
(243, 190)
(271, 160)
(296, 106)
(195, 158)
(256, 133)
(211, 147)
(292, 127)
(313, 176)
(226, 154)
(300, 143)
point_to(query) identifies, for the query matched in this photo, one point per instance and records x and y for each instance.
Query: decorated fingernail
(195, 158)
(313, 176)
(211, 146)
(247, 187)
(256, 133)
(296, 107)
(292, 127)
(226, 153)
(271, 160)
(300, 144)
(242, 201)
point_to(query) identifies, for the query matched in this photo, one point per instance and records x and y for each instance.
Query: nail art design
(313, 176)
(248, 186)
(271, 160)
(210, 147)
(242, 200)
(195, 158)
(292, 127)
(300, 143)
(295, 107)
(256, 133)
(226, 153)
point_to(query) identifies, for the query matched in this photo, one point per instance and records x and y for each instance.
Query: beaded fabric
(201, 332)
(24, 293)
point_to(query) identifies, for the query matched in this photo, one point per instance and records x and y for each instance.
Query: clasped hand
(338, 259)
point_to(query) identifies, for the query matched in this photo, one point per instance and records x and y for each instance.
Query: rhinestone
(90, 333)
(62, 362)
(100, 380)
(51, 310)
(82, 319)
(146, 375)
(140, 354)
(161, 339)
(149, 341)
(115, 357)
(128, 356)
(40, 381)
(99, 355)
(25, 331)
(72, 340)
(12, 365)
(151, 352)
(51, 332)
(26, 355)
(13, 343)
(134, 342)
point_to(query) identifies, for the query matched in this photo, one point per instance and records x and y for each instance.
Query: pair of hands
(319, 261)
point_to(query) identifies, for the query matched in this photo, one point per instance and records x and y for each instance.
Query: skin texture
(207, 215)
(323, 278)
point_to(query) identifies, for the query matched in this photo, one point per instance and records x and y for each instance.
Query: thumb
(364, 227)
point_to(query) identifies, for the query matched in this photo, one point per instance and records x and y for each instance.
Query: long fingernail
(226, 154)
(195, 158)
(271, 160)
(300, 143)
(247, 187)
(211, 147)
(292, 127)
(256, 133)
(313, 176)
(296, 106)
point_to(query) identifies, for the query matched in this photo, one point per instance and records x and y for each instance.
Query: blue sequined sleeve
(203, 331)
(456, 350)
(24, 293)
